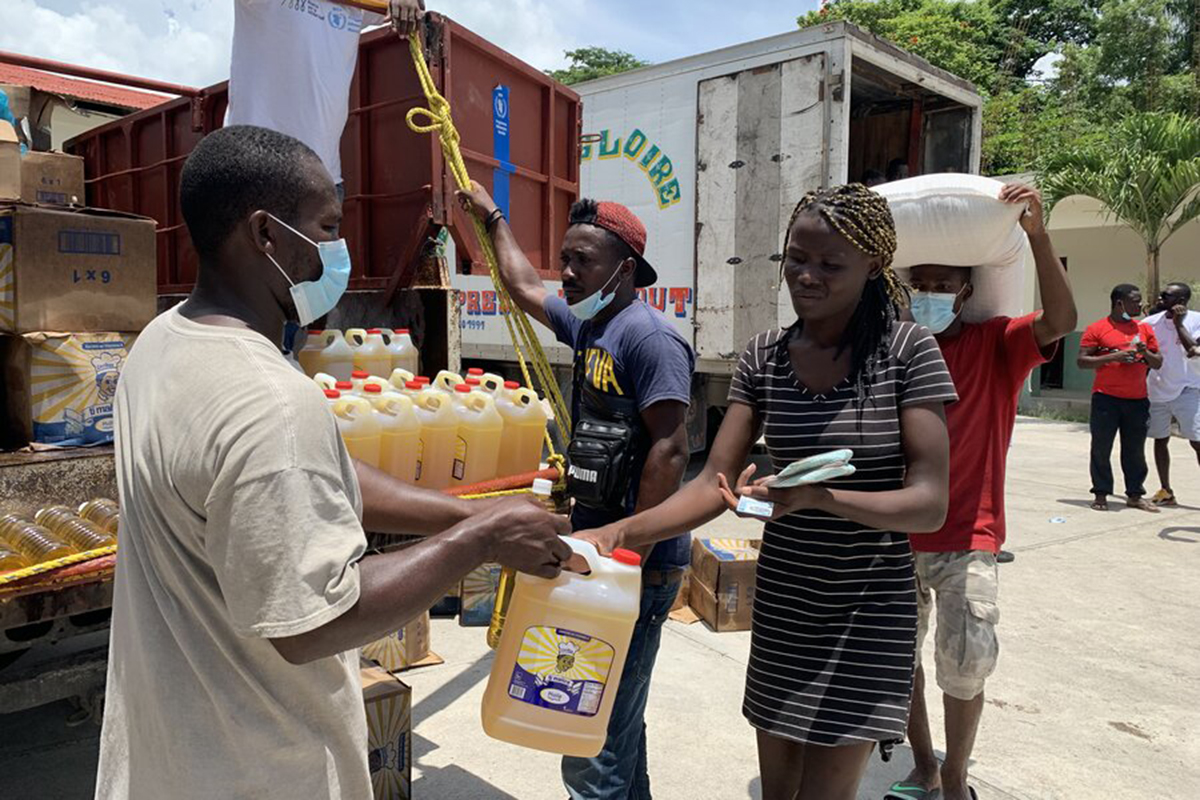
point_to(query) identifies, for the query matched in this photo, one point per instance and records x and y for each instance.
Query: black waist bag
(601, 455)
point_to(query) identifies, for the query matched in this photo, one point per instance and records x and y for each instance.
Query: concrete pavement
(1096, 694)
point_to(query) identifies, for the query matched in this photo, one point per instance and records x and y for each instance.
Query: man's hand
(786, 501)
(1124, 356)
(477, 201)
(605, 539)
(406, 15)
(1178, 313)
(527, 538)
(1032, 220)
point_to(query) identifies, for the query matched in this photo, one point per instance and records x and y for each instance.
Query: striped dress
(834, 629)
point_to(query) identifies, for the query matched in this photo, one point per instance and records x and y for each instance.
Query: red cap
(471, 381)
(314, 332)
(401, 331)
(462, 388)
(332, 394)
(361, 374)
(619, 220)
(374, 330)
(474, 371)
(511, 385)
(343, 386)
(414, 386)
(623, 556)
(372, 388)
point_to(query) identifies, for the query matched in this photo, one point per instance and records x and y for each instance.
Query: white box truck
(713, 151)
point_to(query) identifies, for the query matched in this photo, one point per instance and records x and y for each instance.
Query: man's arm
(1058, 316)
(1088, 358)
(1179, 317)
(668, 457)
(392, 506)
(519, 276)
(395, 587)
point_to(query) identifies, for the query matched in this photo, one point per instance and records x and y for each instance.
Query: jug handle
(586, 551)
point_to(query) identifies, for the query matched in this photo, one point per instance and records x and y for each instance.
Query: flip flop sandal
(901, 790)
(1099, 505)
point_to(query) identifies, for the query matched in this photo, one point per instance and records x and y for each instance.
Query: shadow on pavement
(1168, 534)
(455, 783)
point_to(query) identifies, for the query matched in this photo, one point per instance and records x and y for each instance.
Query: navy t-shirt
(635, 354)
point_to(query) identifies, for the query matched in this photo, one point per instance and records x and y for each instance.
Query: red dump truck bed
(397, 185)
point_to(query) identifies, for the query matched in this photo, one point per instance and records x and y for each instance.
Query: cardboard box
(404, 649)
(681, 599)
(388, 704)
(77, 270)
(10, 161)
(52, 179)
(723, 580)
(478, 595)
(59, 387)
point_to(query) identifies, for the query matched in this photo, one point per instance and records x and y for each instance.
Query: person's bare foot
(919, 783)
(1141, 504)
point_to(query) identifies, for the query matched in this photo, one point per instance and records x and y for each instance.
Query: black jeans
(1131, 418)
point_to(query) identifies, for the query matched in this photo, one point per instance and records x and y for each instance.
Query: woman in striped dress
(833, 636)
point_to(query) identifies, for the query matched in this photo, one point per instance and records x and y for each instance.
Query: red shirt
(1127, 381)
(989, 363)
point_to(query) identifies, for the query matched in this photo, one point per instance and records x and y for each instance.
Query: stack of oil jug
(441, 433)
(55, 532)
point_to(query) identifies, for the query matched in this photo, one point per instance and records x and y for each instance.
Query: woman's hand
(786, 501)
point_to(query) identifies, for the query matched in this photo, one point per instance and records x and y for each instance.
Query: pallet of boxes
(719, 587)
(76, 286)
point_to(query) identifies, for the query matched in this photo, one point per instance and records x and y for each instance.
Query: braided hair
(863, 218)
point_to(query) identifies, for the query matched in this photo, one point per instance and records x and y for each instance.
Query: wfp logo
(580, 474)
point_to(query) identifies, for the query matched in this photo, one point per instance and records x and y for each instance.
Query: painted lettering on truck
(485, 302)
(638, 149)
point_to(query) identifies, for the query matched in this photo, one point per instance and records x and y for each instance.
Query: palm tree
(1146, 173)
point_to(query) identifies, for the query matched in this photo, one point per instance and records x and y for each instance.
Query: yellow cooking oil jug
(491, 383)
(325, 381)
(315, 343)
(371, 354)
(560, 657)
(480, 427)
(524, 430)
(447, 380)
(399, 434)
(359, 428)
(337, 357)
(31, 540)
(400, 378)
(104, 512)
(403, 352)
(439, 433)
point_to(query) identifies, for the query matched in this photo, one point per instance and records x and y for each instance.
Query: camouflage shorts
(964, 586)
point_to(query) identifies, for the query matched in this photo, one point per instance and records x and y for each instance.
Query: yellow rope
(520, 329)
(47, 566)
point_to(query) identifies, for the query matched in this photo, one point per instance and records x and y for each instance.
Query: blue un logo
(337, 19)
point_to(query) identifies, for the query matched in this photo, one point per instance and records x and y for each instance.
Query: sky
(187, 41)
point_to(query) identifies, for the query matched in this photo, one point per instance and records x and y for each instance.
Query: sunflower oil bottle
(561, 654)
(439, 434)
(10, 559)
(400, 434)
(400, 378)
(337, 358)
(480, 428)
(524, 430)
(314, 345)
(447, 380)
(73, 529)
(31, 540)
(371, 355)
(325, 381)
(104, 512)
(403, 352)
(359, 428)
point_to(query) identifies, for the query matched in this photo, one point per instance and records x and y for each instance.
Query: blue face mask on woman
(934, 310)
(315, 299)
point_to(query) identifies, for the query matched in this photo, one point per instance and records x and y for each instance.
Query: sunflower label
(561, 670)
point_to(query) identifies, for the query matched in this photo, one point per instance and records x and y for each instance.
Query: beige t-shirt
(240, 521)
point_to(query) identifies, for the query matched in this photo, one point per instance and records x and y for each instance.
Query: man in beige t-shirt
(242, 589)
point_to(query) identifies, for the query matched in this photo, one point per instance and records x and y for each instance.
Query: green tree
(588, 63)
(1146, 173)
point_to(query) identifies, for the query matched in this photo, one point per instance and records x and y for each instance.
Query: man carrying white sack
(989, 361)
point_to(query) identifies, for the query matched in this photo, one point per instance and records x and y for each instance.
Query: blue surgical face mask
(315, 299)
(594, 303)
(934, 310)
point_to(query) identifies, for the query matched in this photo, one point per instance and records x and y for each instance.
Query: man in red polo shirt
(1122, 352)
(956, 566)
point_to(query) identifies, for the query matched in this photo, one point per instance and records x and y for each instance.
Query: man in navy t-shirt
(628, 359)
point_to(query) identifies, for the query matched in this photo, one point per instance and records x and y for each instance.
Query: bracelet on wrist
(492, 219)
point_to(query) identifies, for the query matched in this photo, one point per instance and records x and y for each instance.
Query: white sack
(958, 220)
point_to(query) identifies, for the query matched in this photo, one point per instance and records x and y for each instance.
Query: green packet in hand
(815, 469)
